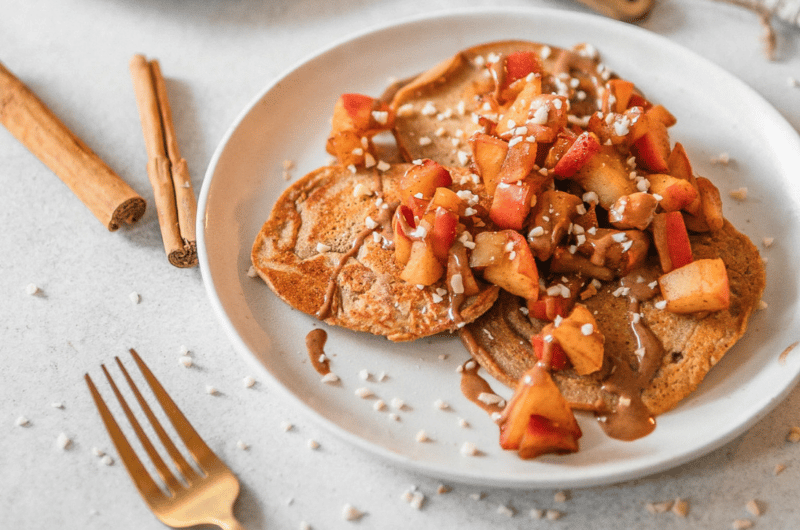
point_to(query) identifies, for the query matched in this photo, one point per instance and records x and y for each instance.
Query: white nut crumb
(560, 496)
(753, 507)
(441, 405)
(490, 399)
(379, 405)
(469, 449)
(398, 404)
(365, 375)
(248, 382)
(313, 444)
(422, 436)
(330, 377)
(442, 489)
(364, 393)
(680, 507)
(793, 82)
(22, 421)
(536, 513)
(659, 507)
(252, 272)
(98, 452)
(32, 289)
(794, 435)
(242, 445)
(741, 524)
(768, 241)
(505, 510)
(778, 469)
(414, 498)
(476, 496)
(286, 426)
(552, 515)
(463, 423)
(107, 460)
(739, 194)
(382, 377)
(304, 526)
(185, 360)
(63, 441)
(394, 417)
(211, 390)
(134, 297)
(57, 405)
(351, 513)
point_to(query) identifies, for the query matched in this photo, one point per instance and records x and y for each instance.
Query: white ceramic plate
(289, 120)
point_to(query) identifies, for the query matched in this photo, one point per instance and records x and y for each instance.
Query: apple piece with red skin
(578, 336)
(488, 154)
(558, 358)
(543, 436)
(699, 286)
(653, 148)
(520, 64)
(353, 123)
(548, 307)
(671, 240)
(582, 149)
(423, 178)
(506, 261)
(676, 194)
(537, 395)
(633, 211)
(661, 114)
(511, 204)
(443, 232)
(422, 267)
(402, 224)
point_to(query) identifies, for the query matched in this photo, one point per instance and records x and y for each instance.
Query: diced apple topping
(356, 119)
(701, 285)
(506, 261)
(578, 336)
(537, 419)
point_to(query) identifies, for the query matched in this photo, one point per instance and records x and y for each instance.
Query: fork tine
(183, 466)
(194, 443)
(141, 477)
(163, 471)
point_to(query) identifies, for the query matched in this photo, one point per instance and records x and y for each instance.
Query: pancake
(320, 254)
(435, 111)
(692, 344)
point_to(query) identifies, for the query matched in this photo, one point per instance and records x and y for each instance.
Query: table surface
(217, 55)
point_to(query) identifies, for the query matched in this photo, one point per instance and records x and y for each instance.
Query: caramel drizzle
(631, 419)
(315, 344)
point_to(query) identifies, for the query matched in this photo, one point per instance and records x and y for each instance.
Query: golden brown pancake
(438, 105)
(693, 344)
(312, 228)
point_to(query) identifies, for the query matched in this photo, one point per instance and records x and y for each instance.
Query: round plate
(289, 120)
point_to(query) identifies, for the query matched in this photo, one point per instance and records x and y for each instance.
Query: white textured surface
(216, 56)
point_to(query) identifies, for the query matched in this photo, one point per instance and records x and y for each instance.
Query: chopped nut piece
(350, 513)
(794, 435)
(753, 507)
(741, 524)
(505, 510)
(680, 507)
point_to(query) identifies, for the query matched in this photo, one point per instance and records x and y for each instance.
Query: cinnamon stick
(100, 189)
(166, 169)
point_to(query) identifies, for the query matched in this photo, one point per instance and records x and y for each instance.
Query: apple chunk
(701, 285)
(507, 262)
(537, 419)
(580, 339)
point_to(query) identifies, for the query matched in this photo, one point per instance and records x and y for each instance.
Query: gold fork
(205, 495)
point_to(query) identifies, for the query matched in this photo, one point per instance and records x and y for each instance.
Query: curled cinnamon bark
(104, 192)
(167, 170)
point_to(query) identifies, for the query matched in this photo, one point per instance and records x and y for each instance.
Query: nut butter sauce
(473, 385)
(315, 344)
(631, 419)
